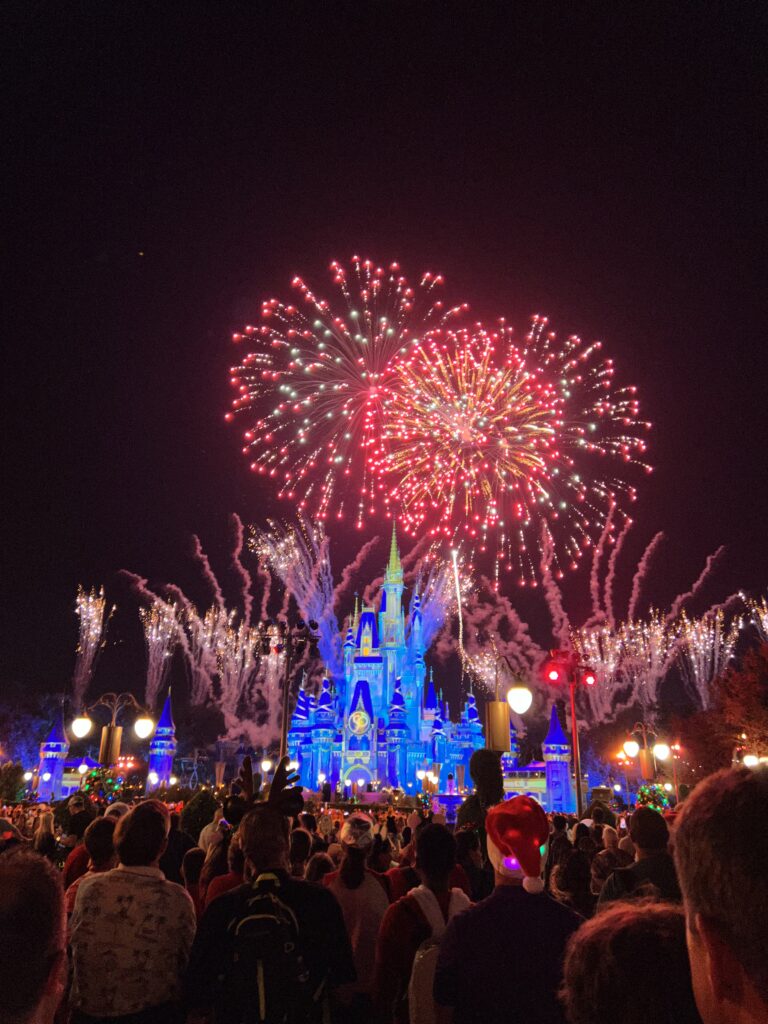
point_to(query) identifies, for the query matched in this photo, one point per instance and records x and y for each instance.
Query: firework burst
(486, 438)
(707, 646)
(313, 384)
(91, 610)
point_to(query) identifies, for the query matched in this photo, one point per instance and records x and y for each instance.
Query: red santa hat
(518, 832)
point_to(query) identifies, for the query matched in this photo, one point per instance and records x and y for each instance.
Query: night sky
(168, 166)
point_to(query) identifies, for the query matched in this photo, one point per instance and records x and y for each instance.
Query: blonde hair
(45, 824)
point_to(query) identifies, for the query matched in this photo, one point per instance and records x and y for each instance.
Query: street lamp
(631, 748)
(749, 761)
(111, 735)
(266, 766)
(519, 698)
(82, 768)
(661, 751)
(28, 776)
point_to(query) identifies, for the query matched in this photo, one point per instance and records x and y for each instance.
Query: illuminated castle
(382, 721)
(162, 749)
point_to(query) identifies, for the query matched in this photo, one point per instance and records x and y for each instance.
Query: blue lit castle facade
(53, 754)
(382, 720)
(162, 749)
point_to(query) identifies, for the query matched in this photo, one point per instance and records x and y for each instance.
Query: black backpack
(266, 981)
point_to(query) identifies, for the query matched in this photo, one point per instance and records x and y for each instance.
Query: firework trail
(300, 559)
(681, 599)
(160, 623)
(594, 575)
(641, 573)
(91, 610)
(350, 570)
(561, 628)
(242, 573)
(266, 578)
(707, 646)
(457, 587)
(758, 616)
(492, 622)
(206, 571)
(649, 648)
(313, 383)
(489, 437)
(611, 574)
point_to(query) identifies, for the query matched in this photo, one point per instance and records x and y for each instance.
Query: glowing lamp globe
(153, 778)
(553, 675)
(361, 782)
(668, 787)
(519, 699)
(293, 766)
(631, 748)
(27, 776)
(661, 751)
(266, 766)
(321, 777)
(173, 780)
(749, 761)
(81, 726)
(82, 768)
(143, 727)
(421, 775)
(46, 776)
(348, 783)
(617, 787)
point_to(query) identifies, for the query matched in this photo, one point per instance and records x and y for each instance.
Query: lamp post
(292, 640)
(566, 667)
(111, 734)
(518, 698)
(648, 755)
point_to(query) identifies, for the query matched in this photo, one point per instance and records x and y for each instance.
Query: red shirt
(402, 880)
(402, 931)
(75, 865)
(223, 883)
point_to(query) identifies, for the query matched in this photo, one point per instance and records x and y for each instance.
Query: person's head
(468, 851)
(235, 809)
(192, 865)
(117, 810)
(264, 835)
(598, 814)
(721, 853)
(141, 835)
(175, 822)
(608, 955)
(300, 846)
(75, 805)
(517, 834)
(574, 873)
(588, 847)
(99, 842)
(335, 852)
(356, 838)
(308, 821)
(33, 950)
(380, 854)
(435, 856)
(485, 769)
(649, 832)
(79, 820)
(318, 866)
(559, 823)
(218, 814)
(580, 832)
(610, 838)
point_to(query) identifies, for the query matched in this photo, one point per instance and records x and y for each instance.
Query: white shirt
(130, 934)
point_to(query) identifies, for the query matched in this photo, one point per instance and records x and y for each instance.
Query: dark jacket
(652, 876)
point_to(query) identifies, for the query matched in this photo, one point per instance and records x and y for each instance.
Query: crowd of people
(274, 913)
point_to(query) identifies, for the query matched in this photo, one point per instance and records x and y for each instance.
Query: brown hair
(264, 837)
(721, 852)
(99, 840)
(32, 927)
(141, 834)
(607, 955)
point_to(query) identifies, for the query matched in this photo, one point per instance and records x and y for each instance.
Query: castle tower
(557, 757)
(391, 620)
(398, 734)
(53, 754)
(323, 731)
(162, 749)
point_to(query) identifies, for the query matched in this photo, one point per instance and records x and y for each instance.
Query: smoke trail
(681, 599)
(138, 585)
(264, 574)
(611, 575)
(594, 575)
(242, 573)
(561, 628)
(207, 572)
(407, 560)
(640, 574)
(349, 571)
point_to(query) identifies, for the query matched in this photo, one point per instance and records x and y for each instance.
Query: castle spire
(394, 568)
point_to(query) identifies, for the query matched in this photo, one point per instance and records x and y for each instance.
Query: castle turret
(557, 757)
(53, 754)
(398, 735)
(162, 749)
(391, 619)
(323, 731)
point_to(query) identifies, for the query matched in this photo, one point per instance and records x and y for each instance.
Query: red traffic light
(555, 671)
(589, 678)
